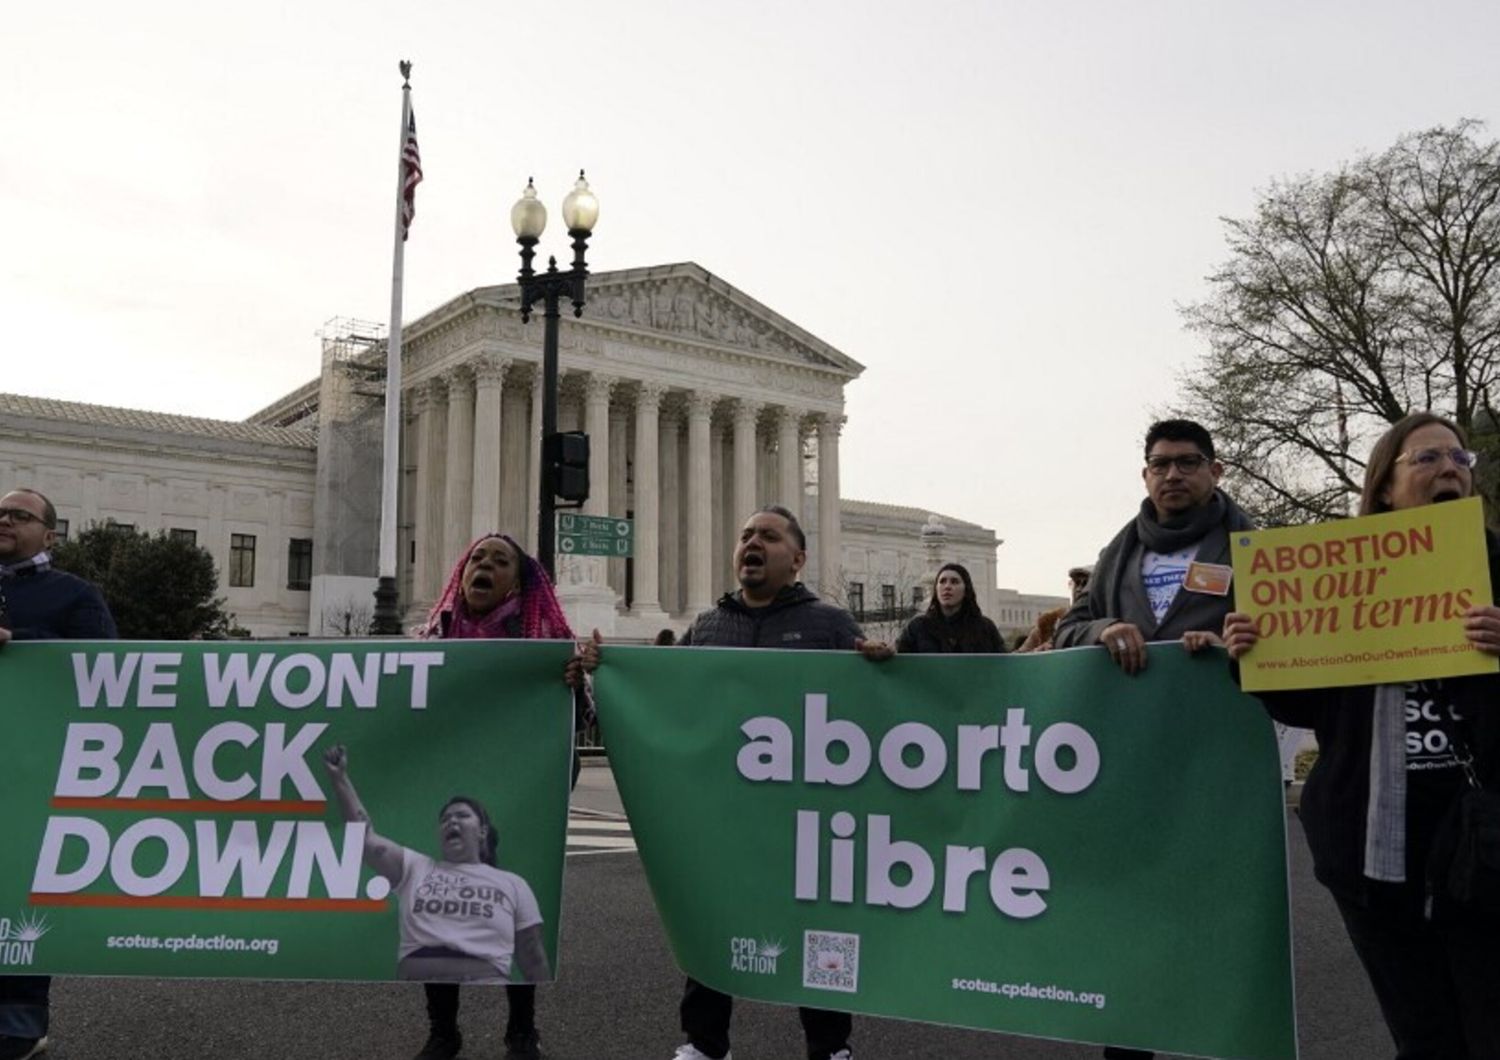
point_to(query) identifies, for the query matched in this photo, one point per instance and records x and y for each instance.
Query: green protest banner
(192, 810)
(1034, 844)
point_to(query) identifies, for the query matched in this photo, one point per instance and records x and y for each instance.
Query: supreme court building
(700, 403)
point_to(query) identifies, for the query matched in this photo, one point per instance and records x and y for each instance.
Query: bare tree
(348, 618)
(1348, 300)
(879, 621)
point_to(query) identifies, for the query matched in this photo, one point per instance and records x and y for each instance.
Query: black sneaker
(527, 1046)
(442, 1045)
(21, 1048)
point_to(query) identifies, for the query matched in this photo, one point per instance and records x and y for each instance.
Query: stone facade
(701, 404)
(1017, 612)
(225, 483)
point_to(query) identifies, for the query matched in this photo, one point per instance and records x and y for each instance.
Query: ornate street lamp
(528, 217)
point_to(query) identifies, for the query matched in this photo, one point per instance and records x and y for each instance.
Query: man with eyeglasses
(1166, 574)
(36, 603)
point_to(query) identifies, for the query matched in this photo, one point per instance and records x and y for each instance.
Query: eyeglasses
(1428, 458)
(1187, 463)
(20, 516)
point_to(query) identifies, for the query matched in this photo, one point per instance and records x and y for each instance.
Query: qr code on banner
(830, 961)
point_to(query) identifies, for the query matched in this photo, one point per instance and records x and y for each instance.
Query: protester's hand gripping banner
(1034, 844)
(184, 809)
(1364, 601)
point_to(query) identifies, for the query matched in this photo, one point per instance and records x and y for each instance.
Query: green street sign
(594, 535)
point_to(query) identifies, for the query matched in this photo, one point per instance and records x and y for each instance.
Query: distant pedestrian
(1385, 788)
(952, 622)
(37, 603)
(665, 639)
(1041, 634)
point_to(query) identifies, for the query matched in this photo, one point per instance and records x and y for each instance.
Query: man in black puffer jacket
(771, 609)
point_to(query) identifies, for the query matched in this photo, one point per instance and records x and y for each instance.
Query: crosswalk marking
(593, 832)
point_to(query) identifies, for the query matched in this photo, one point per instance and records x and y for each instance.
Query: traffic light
(566, 454)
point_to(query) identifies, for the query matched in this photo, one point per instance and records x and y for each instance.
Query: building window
(124, 528)
(857, 599)
(187, 536)
(888, 600)
(916, 598)
(61, 530)
(299, 563)
(241, 561)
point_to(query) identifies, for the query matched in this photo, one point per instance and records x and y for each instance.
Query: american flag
(411, 175)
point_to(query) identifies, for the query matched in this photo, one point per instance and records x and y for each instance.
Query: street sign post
(594, 535)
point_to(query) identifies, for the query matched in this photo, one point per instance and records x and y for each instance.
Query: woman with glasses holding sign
(494, 591)
(1400, 808)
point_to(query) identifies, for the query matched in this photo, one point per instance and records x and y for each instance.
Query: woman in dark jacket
(1386, 777)
(952, 622)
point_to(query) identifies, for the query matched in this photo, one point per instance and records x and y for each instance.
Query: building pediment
(687, 303)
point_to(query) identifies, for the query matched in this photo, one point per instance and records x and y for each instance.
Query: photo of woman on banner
(463, 919)
(1392, 807)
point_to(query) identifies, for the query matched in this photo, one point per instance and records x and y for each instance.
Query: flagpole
(387, 619)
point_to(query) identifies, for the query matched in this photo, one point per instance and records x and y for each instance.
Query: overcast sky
(996, 207)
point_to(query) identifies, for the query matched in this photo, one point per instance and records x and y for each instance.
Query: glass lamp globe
(528, 216)
(580, 208)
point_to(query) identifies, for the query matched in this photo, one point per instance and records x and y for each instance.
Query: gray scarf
(1172, 536)
(1182, 531)
(1385, 813)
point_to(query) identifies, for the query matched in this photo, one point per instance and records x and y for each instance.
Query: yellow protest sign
(1363, 601)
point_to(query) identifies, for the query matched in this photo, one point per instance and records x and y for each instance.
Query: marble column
(534, 463)
(515, 418)
(407, 506)
(830, 545)
(597, 391)
(789, 461)
(669, 449)
(646, 592)
(596, 424)
(746, 448)
(458, 478)
(720, 498)
(619, 477)
(489, 384)
(700, 521)
(431, 403)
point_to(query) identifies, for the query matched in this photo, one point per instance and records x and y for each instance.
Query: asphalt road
(617, 998)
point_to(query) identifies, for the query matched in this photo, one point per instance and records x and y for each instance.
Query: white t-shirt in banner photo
(1162, 573)
(473, 909)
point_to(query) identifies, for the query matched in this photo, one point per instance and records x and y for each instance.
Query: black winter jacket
(795, 619)
(929, 634)
(1335, 797)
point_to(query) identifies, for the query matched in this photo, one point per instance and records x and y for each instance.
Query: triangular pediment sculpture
(688, 303)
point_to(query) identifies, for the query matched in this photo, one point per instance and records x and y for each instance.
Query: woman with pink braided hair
(496, 590)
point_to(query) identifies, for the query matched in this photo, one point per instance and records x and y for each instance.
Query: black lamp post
(529, 218)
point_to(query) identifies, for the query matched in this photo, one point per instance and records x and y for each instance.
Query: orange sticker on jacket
(1212, 578)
